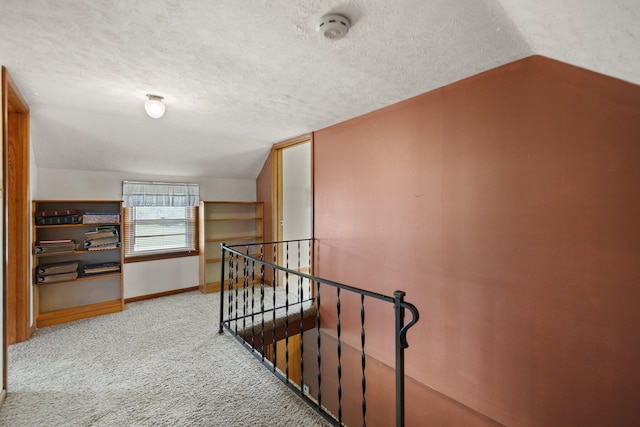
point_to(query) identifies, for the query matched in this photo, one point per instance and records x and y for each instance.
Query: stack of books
(100, 268)
(101, 218)
(55, 246)
(102, 238)
(59, 272)
(60, 216)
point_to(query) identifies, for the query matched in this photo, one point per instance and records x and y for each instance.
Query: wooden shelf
(231, 202)
(80, 252)
(75, 313)
(83, 278)
(234, 219)
(76, 225)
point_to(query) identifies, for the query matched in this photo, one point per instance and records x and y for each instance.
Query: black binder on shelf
(55, 248)
(57, 268)
(55, 220)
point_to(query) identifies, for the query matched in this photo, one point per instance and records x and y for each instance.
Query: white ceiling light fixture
(154, 106)
(334, 27)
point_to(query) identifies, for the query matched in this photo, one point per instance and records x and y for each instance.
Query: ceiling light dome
(334, 27)
(154, 106)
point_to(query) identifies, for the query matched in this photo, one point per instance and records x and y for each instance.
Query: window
(153, 230)
(160, 218)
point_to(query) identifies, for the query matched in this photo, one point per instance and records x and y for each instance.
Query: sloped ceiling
(238, 76)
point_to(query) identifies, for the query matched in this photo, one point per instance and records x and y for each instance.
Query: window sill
(155, 257)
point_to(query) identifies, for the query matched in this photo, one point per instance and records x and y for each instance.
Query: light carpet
(160, 362)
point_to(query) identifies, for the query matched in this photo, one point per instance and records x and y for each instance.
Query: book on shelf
(105, 247)
(57, 268)
(102, 241)
(102, 213)
(106, 227)
(101, 232)
(100, 268)
(55, 212)
(56, 248)
(55, 242)
(57, 220)
(52, 278)
(100, 217)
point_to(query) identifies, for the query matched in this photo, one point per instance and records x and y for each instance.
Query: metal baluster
(253, 301)
(319, 345)
(262, 303)
(300, 277)
(245, 292)
(235, 284)
(286, 312)
(273, 323)
(339, 357)
(309, 284)
(301, 325)
(363, 356)
(230, 284)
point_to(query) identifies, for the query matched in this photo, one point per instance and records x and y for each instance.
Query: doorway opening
(293, 193)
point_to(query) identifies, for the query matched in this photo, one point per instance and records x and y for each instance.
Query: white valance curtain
(138, 193)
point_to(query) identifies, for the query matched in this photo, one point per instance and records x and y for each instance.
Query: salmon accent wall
(507, 206)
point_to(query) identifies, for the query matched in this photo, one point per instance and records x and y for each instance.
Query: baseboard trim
(211, 287)
(160, 294)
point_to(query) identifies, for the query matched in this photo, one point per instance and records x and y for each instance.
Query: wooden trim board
(16, 211)
(161, 294)
(76, 313)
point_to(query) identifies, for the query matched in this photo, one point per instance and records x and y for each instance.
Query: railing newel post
(319, 341)
(338, 333)
(399, 323)
(363, 362)
(222, 264)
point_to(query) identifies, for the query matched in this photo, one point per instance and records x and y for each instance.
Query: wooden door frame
(276, 189)
(16, 152)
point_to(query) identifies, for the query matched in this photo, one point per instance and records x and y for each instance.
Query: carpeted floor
(158, 363)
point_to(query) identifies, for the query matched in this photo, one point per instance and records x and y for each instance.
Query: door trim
(17, 287)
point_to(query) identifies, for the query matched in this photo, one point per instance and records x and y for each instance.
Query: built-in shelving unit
(92, 292)
(225, 222)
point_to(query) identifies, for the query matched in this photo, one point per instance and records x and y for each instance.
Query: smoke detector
(334, 27)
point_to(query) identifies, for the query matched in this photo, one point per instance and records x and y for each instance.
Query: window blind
(140, 193)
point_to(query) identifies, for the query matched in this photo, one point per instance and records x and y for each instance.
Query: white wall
(150, 277)
(296, 189)
(66, 184)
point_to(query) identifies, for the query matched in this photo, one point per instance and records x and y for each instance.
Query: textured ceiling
(238, 76)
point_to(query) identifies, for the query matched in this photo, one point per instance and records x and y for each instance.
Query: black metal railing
(270, 299)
